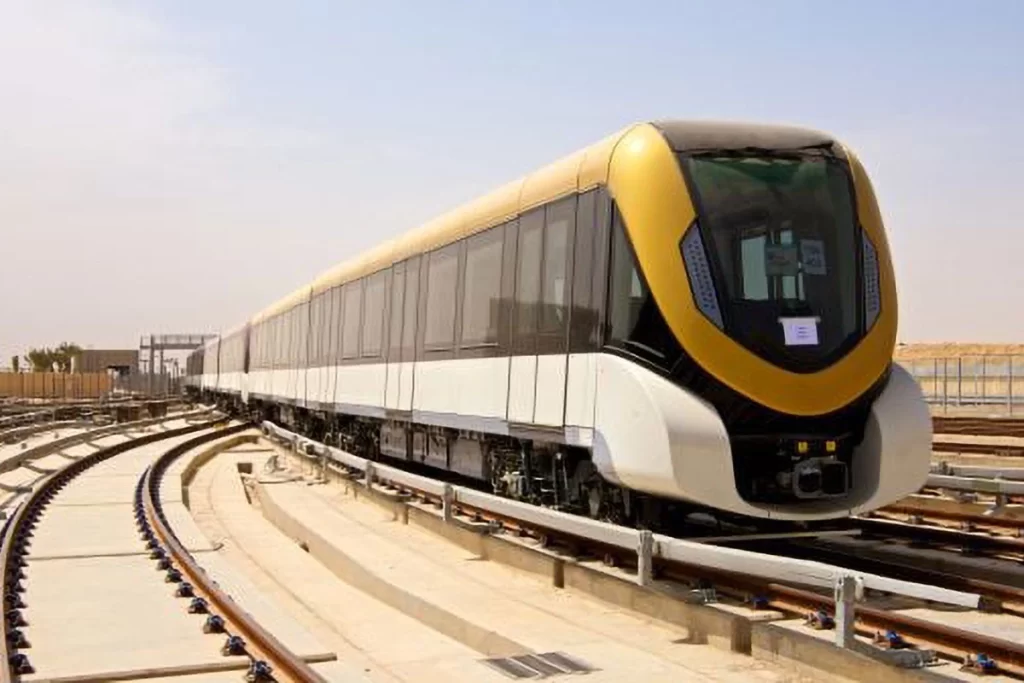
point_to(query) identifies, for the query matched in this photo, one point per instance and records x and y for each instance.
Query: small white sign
(812, 254)
(800, 331)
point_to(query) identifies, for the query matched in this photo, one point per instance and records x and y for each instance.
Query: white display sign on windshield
(800, 331)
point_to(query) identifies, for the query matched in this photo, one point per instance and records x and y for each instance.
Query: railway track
(38, 575)
(888, 627)
(978, 426)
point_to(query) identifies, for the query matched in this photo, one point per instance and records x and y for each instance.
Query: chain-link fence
(990, 384)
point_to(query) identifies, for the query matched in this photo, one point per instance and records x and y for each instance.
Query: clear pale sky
(176, 166)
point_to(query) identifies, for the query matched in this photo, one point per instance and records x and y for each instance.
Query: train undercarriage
(543, 473)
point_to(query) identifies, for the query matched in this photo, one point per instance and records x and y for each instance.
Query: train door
(537, 372)
(243, 377)
(406, 365)
(393, 353)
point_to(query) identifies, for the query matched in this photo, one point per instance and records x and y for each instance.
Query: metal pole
(448, 503)
(644, 558)
(846, 599)
(984, 376)
(959, 381)
(1009, 385)
(945, 382)
(152, 362)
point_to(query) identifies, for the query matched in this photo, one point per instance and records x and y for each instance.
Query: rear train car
(682, 316)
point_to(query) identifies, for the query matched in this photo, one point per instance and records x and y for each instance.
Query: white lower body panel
(360, 385)
(654, 436)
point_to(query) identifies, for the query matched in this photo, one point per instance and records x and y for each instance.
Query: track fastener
(979, 663)
(233, 646)
(214, 624)
(20, 664)
(259, 672)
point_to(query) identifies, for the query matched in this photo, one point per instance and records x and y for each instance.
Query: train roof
(695, 136)
(578, 171)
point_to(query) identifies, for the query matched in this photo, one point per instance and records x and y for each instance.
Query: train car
(210, 367)
(194, 372)
(682, 316)
(231, 382)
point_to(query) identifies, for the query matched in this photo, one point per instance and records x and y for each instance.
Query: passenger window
(350, 331)
(337, 308)
(584, 313)
(326, 301)
(323, 329)
(531, 245)
(397, 294)
(302, 334)
(481, 299)
(442, 278)
(373, 316)
(411, 305)
(558, 230)
(628, 293)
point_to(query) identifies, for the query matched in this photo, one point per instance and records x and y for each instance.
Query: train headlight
(872, 293)
(698, 271)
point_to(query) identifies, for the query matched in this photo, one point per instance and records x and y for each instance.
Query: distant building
(125, 362)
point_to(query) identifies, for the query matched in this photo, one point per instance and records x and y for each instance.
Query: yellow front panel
(648, 186)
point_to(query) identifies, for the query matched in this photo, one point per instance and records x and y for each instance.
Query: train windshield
(781, 237)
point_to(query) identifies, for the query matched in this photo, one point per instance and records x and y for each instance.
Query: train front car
(753, 307)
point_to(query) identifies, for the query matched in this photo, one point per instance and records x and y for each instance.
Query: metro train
(684, 316)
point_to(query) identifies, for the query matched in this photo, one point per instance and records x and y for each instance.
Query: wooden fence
(54, 385)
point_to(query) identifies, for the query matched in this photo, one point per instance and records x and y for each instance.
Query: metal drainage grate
(538, 665)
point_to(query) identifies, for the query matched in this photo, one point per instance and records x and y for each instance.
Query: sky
(177, 166)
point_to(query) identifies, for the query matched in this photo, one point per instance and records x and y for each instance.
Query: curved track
(53, 590)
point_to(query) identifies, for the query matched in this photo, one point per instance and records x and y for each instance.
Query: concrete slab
(185, 528)
(88, 530)
(92, 616)
(93, 514)
(17, 478)
(296, 638)
(493, 608)
(381, 642)
(7, 450)
(86, 489)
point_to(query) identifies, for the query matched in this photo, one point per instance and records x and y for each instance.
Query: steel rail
(17, 530)
(978, 426)
(940, 445)
(1003, 542)
(258, 641)
(1002, 597)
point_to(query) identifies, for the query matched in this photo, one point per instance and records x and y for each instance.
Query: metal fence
(149, 385)
(990, 384)
(54, 385)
